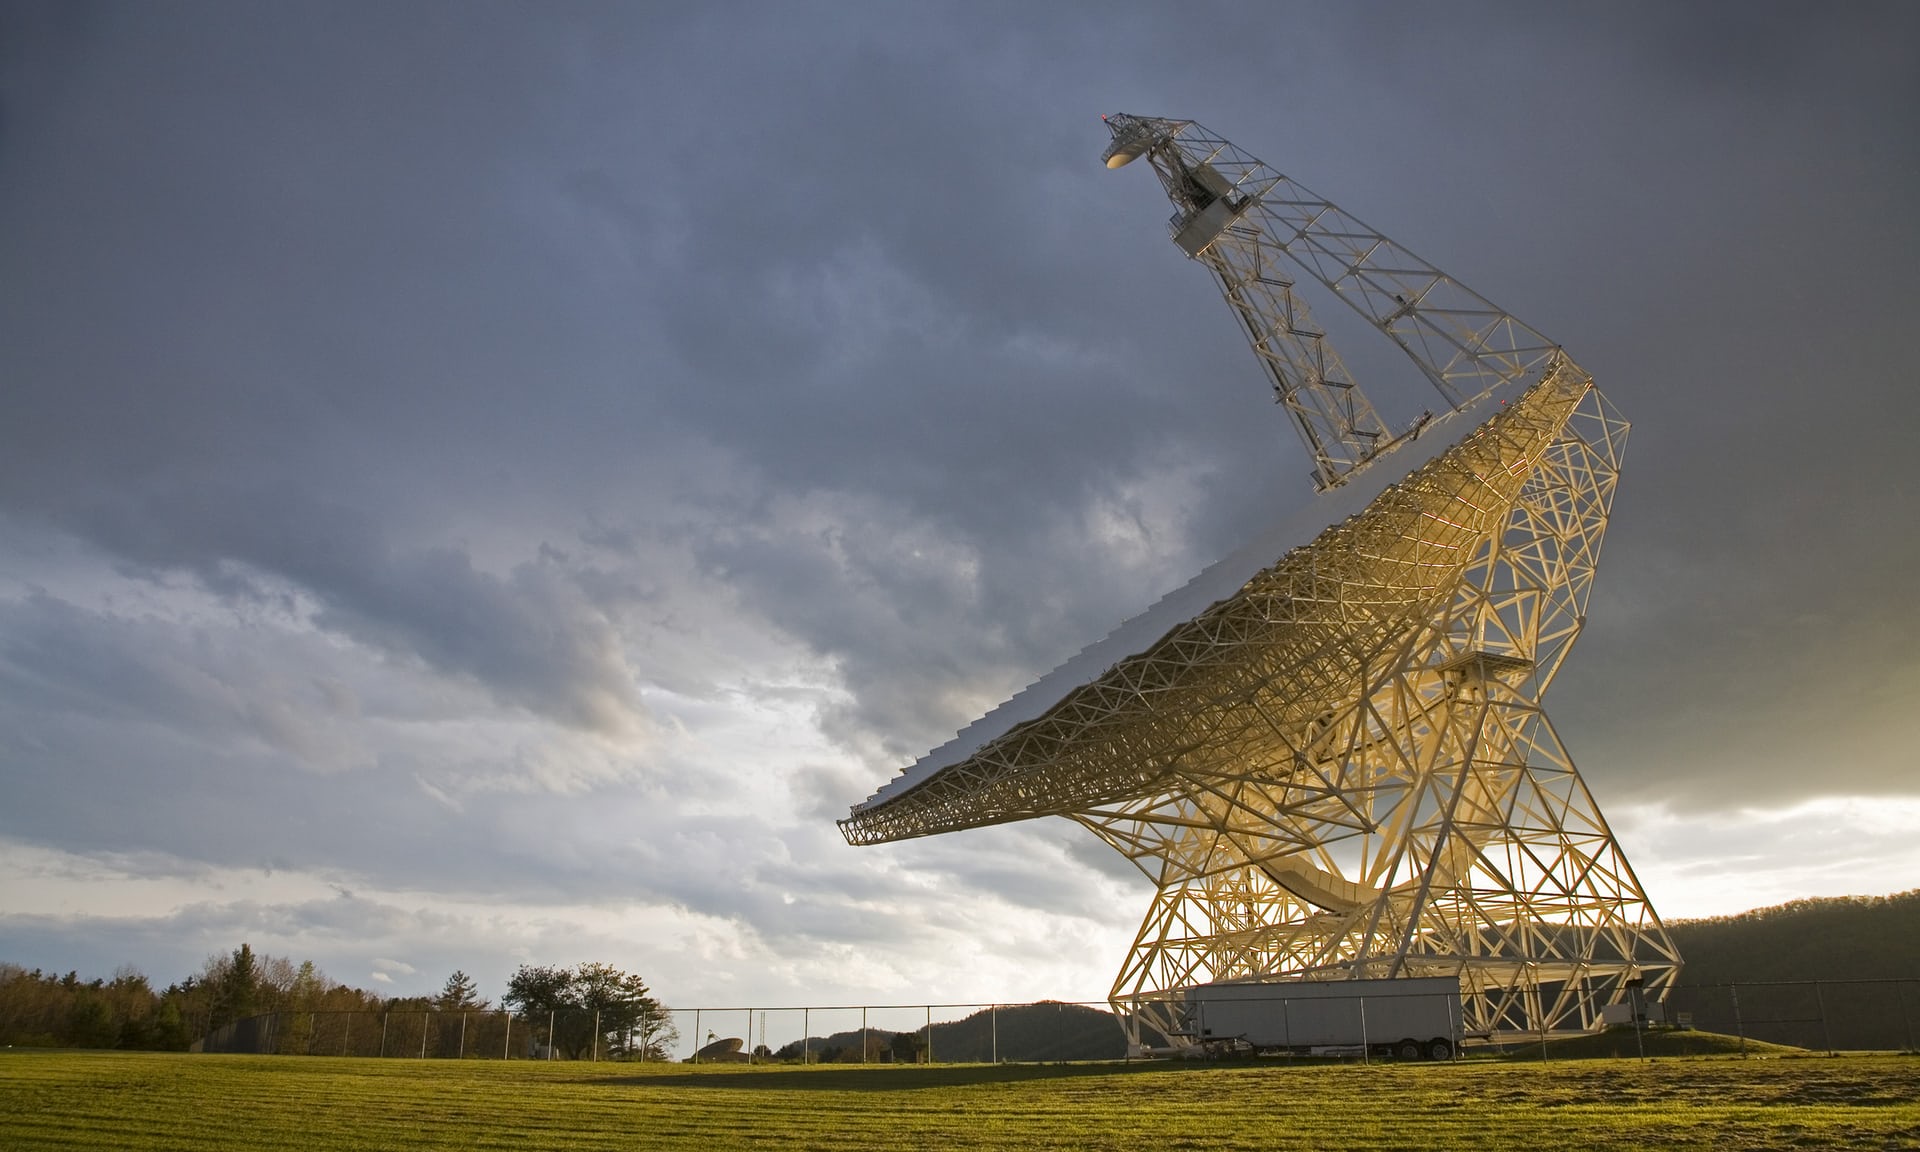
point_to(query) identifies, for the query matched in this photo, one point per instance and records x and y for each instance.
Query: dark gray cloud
(565, 455)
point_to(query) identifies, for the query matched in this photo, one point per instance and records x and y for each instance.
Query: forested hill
(1026, 1032)
(1846, 938)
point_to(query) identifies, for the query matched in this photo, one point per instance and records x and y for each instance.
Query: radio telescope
(1328, 751)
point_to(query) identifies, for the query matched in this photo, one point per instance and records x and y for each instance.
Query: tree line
(1839, 938)
(563, 1005)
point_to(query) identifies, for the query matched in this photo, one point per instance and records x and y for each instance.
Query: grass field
(161, 1101)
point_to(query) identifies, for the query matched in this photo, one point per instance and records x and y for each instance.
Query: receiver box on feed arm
(1412, 1018)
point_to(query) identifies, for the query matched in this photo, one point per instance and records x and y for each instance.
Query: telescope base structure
(1429, 821)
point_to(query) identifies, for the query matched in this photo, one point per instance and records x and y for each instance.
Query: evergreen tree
(309, 985)
(238, 993)
(90, 1023)
(461, 994)
(169, 1029)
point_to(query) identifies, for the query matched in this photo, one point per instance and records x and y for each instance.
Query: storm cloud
(484, 483)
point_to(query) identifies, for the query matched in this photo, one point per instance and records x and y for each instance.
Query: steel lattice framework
(1341, 768)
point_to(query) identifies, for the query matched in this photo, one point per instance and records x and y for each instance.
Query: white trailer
(1408, 1019)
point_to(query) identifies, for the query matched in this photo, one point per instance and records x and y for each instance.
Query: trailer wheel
(1440, 1048)
(1407, 1050)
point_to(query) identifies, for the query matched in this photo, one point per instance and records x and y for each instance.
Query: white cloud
(1707, 862)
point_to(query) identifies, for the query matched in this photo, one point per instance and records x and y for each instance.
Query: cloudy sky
(486, 483)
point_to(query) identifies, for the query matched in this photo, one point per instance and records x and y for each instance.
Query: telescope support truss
(1433, 824)
(1341, 768)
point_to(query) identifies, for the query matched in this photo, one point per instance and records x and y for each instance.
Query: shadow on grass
(1664, 1043)
(885, 1078)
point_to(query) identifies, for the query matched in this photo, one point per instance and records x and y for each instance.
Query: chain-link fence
(1822, 1015)
(426, 1034)
(1049, 1030)
(874, 1034)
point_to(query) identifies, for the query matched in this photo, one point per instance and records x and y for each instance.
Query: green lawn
(163, 1101)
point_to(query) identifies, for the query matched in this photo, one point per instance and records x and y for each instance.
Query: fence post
(426, 1025)
(929, 1033)
(863, 1034)
(1363, 1030)
(346, 1035)
(1454, 1027)
(1820, 1001)
(595, 1057)
(463, 1037)
(1906, 1016)
(384, 1016)
(644, 1030)
(506, 1045)
(1739, 1026)
(1286, 1026)
(806, 1039)
(993, 1022)
(1638, 1002)
(696, 1035)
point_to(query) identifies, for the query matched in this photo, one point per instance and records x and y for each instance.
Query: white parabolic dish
(1217, 582)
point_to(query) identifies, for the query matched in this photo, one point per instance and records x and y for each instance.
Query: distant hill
(1029, 1032)
(1839, 973)
(1845, 938)
(1032, 1032)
